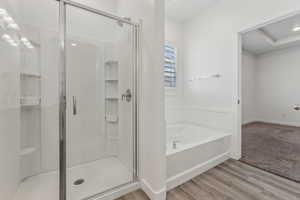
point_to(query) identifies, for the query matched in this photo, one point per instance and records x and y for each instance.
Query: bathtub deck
(231, 180)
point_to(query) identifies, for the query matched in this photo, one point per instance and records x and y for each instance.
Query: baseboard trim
(187, 175)
(152, 194)
(294, 124)
(249, 122)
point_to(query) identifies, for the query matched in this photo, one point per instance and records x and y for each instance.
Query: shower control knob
(127, 96)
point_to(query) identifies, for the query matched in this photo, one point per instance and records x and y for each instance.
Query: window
(170, 66)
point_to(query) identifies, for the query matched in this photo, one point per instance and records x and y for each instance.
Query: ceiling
(182, 10)
(272, 37)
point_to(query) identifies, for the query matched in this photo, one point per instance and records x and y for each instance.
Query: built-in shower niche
(111, 70)
(30, 116)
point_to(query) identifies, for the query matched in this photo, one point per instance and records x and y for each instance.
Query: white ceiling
(273, 37)
(182, 10)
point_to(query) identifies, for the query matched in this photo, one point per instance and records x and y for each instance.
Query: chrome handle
(74, 106)
(297, 107)
(127, 96)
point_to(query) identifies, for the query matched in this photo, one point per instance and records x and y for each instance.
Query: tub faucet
(174, 144)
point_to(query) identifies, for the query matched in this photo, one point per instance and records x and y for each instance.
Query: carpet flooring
(271, 147)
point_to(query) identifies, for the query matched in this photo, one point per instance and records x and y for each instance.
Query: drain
(78, 182)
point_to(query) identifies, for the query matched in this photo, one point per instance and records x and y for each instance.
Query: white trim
(280, 42)
(268, 22)
(183, 177)
(206, 109)
(249, 121)
(152, 194)
(284, 123)
(172, 92)
(237, 143)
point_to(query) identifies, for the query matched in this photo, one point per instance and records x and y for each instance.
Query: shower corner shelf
(112, 62)
(30, 101)
(112, 118)
(27, 151)
(111, 80)
(30, 75)
(112, 98)
(31, 78)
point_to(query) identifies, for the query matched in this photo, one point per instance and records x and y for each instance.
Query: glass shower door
(100, 84)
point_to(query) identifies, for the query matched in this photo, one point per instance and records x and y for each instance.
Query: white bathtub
(197, 150)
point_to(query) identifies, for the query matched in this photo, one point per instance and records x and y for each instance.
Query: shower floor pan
(83, 181)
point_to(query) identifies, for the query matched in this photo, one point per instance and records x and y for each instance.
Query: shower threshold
(98, 176)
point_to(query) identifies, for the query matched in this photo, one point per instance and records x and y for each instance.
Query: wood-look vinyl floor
(232, 180)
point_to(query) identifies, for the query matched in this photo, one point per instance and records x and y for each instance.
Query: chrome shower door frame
(136, 33)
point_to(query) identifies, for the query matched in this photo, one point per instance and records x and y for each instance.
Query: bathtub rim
(193, 145)
(223, 133)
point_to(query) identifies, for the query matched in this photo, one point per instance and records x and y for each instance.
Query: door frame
(136, 32)
(237, 150)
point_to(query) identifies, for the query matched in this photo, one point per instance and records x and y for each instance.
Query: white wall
(277, 80)
(269, 85)
(174, 37)
(9, 113)
(9, 120)
(212, 47)
(178, 106)
(249, 110)
(174, 97)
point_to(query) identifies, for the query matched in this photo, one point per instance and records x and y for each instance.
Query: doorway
(270, 115)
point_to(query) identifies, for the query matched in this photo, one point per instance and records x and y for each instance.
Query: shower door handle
(74, 106)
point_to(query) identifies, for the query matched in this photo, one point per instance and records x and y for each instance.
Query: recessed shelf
(112, 98)
(111, 80)
(111, 118)
(27, 151)
(32, 75)
(111, 62)
(30, 101)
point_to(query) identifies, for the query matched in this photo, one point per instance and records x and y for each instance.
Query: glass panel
(29, 100)
(99, 63)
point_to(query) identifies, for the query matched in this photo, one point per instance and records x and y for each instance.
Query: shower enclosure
(98, 79)
(76, 108)
(98, 82)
